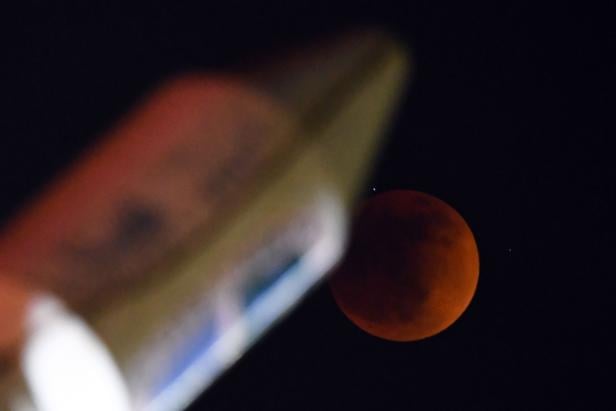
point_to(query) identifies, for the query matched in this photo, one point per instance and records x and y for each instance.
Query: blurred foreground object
(194, 226)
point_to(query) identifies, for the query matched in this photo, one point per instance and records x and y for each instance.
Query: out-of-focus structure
(160, 257)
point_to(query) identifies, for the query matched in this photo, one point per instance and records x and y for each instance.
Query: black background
(508, 119)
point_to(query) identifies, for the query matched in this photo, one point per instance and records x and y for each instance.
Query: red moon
(411, 269)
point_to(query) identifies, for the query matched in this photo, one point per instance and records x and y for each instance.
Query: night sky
(508, 119)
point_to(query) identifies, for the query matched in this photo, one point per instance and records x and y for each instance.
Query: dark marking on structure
(137, 228)
(136, 222)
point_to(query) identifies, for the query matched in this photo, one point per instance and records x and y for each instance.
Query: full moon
(411, 269)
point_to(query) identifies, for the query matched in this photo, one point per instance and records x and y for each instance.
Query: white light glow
(66, 366)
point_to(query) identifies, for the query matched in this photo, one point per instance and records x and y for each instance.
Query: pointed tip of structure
(331, 67)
